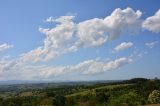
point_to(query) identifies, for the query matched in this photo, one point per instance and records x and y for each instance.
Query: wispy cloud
(5, 46)
(30, 71)
(123, 46)
(49, 19)
(151, 44)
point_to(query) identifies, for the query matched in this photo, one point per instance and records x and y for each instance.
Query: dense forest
(134, 92)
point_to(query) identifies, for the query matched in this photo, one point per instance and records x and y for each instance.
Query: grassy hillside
(132, 92)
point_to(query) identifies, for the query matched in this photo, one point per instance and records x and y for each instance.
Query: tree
(128, 99)
(59, 100)
(102, 97)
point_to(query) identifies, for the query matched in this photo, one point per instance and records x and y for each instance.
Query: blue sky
(79, 40)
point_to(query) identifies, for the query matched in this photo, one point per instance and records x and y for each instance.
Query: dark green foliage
(102, 97)
(59, 100)
(136, 80)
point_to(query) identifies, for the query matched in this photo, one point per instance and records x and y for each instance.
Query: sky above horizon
(79, 40)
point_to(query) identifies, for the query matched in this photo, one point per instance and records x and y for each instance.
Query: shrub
(154, 97)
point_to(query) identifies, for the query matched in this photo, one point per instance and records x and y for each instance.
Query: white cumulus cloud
(152, 23)
(95, 32)
(68, 36)
(56, 41)
(121, 21)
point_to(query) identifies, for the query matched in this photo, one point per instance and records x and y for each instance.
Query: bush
(154, 97)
